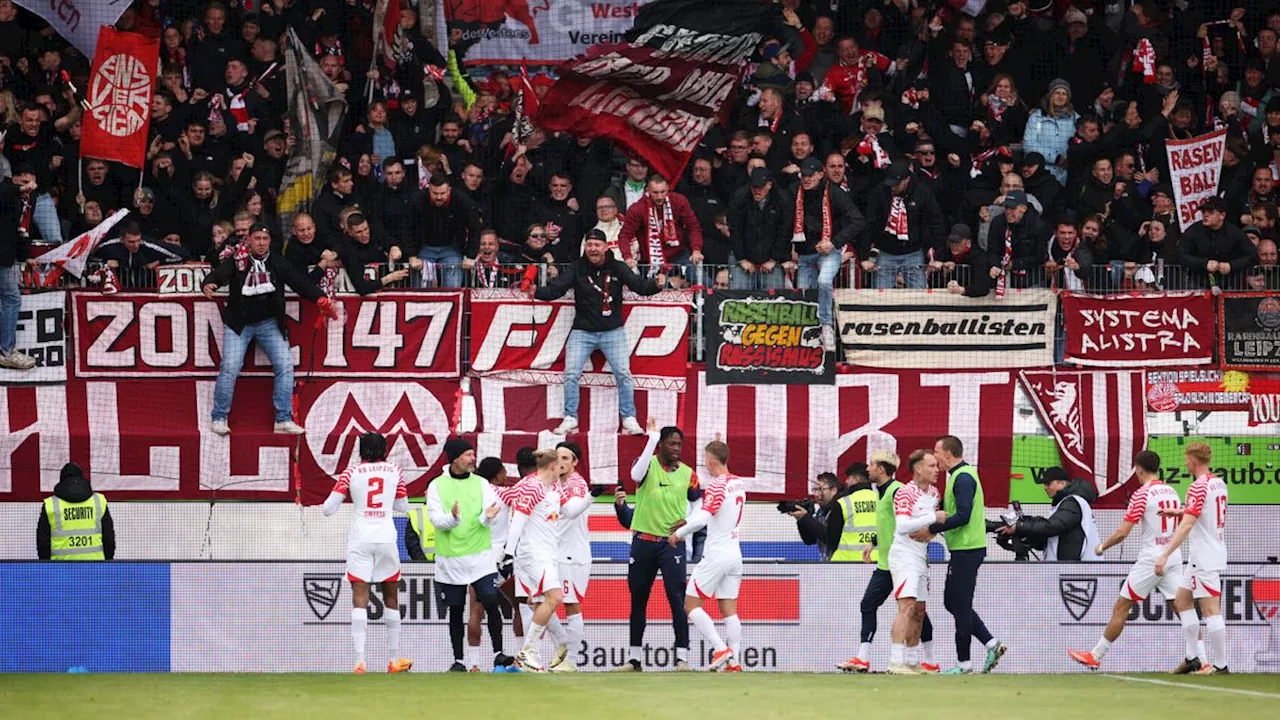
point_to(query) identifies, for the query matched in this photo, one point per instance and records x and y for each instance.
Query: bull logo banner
(756, 337)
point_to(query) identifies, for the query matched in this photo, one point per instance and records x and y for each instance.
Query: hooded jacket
(1065, 523)
(73, 487)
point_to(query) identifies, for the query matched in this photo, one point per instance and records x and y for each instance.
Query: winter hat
(453, 449)
(1060, 83)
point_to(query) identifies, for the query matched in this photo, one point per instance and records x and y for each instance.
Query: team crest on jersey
(321, 592)
(1077, 594)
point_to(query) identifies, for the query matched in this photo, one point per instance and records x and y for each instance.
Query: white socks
(359, 624)
(535, 634)
(897, 654)
(526, 615)
(1191, 632)
(392, 620)
(912, 655)
(636, 653)
(575, 631)
(558, 635)
(733, 636)
(1216, 632)
(707, 627)
(992, 643)
(473, 656)
(926, 649)
(1100, 650)
(864, 652)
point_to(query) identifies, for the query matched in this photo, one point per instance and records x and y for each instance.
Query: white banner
(546, 33)
(77, 20)
(294, 617)
(926, 329)
(42, 335)
(1195, 167)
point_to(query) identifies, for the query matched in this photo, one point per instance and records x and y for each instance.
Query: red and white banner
(1157, 329)
(77, 20)
(514, 338)
(1098, 419)
(1264, 407)
(142, 335)
(72, 256)
(140, 439)
(540, 33)
(1195, 167)
(125, 66)
(1207, 389)
(658, 94)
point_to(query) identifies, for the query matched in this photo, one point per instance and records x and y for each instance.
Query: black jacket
(1063, 524)
(456, 225)
(326, 210)
(760, 234)
(823, 528)
(846, 222)
(587, 282)
(241, 310)
(565, 248)
(73, 487)
(972, 271)
(1198, 245)
(1030, 240)
(925, 225)
(393, 213)
(14, 248)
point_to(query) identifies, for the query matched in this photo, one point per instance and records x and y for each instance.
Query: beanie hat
(1060, 83)
(454, 448)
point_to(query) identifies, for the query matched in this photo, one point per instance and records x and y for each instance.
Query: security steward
(420, 536)
(75, 523)
(857, 504)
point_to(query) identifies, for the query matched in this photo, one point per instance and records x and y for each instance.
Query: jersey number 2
(375, 489)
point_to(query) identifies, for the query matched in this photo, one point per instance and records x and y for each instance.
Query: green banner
(1249, 465)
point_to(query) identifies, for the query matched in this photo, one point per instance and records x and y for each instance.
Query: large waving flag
(77, 20)
(72, 256)
(316, 112)
(119, 97)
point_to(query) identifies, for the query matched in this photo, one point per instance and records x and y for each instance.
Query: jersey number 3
(372, 499)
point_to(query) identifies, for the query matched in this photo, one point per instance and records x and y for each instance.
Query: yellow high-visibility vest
(859, 526)
(421, 524)
(76, 528)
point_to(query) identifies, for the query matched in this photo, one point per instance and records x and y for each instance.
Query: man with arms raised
(372, 555)
(1204, 519)
(719, 574)
(1146, 508)
(532, 539)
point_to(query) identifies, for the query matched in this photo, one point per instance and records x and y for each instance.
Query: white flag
(71, 256)
(77, 20)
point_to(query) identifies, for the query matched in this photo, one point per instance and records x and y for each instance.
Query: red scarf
(28, 210)
(1144, 61)
(329, 282)
(233, 103)
(897, 224)
(911, 98)
(981, 158)
(662, 232)
(797, 228)
(996, 105)
(606, 298)
(870, 147)
(487, 274)
(772, 124)
(1004, 264)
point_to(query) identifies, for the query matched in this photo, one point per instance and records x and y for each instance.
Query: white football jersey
(372, 487)
(1144, 510)
(725, 497)
(1207, 500)
(913, 503)
(575, 537)
(540, 537)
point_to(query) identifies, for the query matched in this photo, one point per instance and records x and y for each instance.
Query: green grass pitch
(639, 697)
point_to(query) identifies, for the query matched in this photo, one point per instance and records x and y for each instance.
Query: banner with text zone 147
(415, 335)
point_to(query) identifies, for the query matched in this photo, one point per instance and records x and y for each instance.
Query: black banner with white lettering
(765, 338)
(657, 94)
(1250, 334)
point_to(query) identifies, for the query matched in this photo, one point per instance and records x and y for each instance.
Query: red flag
(525, 108)
(119, 97)
(1098, 419)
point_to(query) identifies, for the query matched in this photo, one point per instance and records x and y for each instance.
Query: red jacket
(635, 225)
(846, 82)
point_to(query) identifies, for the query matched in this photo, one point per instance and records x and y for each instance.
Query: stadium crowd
(917, 143)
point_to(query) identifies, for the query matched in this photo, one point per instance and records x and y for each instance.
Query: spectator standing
(393, 205)
(824, 222)
(1017, 242)
(447, 226)
(75, 522)
(1051, 127)
(905, 226)
(255, 312)
(1213, 251)
(558, 213)
(760, 224)
(608, 223)
(597, 280)
(966, 267)
(17, 209)
(666, 228)
(326, 208)
(305, 251)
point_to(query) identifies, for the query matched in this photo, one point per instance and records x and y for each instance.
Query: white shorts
(720, 578)
(1142, 580)
(911, 582)
(373, 563)
(534, 578)
(1202, 583)
(574, 578)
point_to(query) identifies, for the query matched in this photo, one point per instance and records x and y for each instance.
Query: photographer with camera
(819, 520)
(1068, 534)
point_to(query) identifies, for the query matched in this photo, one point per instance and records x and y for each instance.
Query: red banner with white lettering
(1195, 168)
(525, 341)
(119, 97)
(1152, 330)
(144, 335)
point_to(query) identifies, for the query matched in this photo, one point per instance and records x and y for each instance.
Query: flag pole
(373, 65)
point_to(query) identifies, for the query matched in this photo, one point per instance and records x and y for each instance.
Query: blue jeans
(912, 265)
(10, 306)
(616, 349)
(818, 270)
(739, 279)
(450, 260)
(45, 214)
(268, 336)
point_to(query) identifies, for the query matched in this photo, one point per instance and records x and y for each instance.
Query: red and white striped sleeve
(713, 496)
(1137, 506)
(1196, 495)
(574, 487)
(343, 486)
(903, 500)
(527, 495)
(402, 491)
